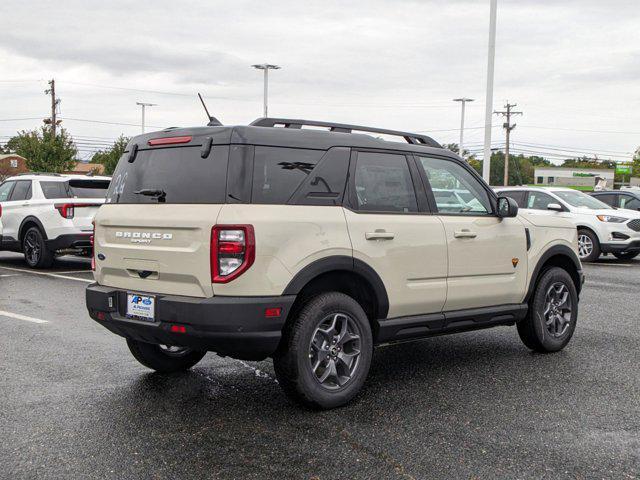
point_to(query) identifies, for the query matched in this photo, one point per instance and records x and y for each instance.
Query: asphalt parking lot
(76, 404)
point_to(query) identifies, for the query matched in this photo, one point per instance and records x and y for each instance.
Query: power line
(507, 127)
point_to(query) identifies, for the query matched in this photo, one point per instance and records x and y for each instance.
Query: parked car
(601, 229)
(45, 215)
(313, 246)
(625, 199)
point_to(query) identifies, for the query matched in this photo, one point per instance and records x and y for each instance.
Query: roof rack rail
(48, 174)
(413, 138)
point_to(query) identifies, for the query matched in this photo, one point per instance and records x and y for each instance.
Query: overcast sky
(572, 66)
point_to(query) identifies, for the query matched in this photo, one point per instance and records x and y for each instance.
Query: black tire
(626, 255)
(293, 361)
(161, 359)
(36, 254)
(595, 252)
(534, 330)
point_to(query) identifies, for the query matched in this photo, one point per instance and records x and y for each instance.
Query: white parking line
(611, 264)
(9, 275)
(47, 274)
(17, 316)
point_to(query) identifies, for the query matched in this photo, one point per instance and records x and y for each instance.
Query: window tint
(540, 200)
(181, 174)
(81, 188)
(22, 190)
(608, 199)
(455, 189)
(517, 195)
(629, 202)
(278, 172)
(383, 183)
(5, 190)
(55, 189)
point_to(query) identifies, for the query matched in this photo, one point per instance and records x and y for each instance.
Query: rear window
(75, 188)
(180, 174)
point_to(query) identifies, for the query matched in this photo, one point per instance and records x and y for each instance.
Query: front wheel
(164, 358)
(326, 351)
(626, 255)
(35, 249)
(588, 246)
(553, 312)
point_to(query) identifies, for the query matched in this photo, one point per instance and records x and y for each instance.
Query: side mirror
(556, 207)
(507, 207)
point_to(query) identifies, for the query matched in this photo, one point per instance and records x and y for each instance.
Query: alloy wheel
(334, 351)
(585, 246)
(557, 309)
(32, 248)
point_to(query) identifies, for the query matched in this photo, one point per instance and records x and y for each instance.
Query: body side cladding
(31, 219)
(556, 250)
(341, 263)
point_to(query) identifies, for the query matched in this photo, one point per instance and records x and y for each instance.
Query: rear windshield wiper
(153, 192)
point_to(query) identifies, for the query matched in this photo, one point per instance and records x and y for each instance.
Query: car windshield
(581, 200)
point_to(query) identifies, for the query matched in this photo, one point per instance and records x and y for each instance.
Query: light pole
(463, 101)
(143, 105)
(486, 161)
(266, 67)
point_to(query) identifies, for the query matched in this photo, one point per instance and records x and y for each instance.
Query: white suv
(314, 246)
(44, 215)
(601, 228)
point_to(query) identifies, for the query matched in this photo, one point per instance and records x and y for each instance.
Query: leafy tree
(109, 157)
(455, 148)
(43, 151)
(521, 168)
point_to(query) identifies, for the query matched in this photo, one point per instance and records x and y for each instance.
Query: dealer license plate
(141, 307)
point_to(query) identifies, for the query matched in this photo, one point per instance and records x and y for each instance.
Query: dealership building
(574, 177)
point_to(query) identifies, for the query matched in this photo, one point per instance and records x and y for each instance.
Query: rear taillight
(92, 241)
(233, 250)
(67, 210)
(0, 211)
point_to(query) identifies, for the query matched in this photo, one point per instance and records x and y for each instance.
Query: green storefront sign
(624, 169)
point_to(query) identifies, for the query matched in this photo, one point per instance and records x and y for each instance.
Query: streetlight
(143, 105)
(463, 101)
(266, 67)
(486, 161)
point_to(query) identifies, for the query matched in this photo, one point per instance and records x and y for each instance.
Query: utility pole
(463, 101)
(143, 105)
(265, 67)
(486, 161)
(53, 121)
(508, 127)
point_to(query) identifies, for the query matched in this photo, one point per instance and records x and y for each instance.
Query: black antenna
(213, 121)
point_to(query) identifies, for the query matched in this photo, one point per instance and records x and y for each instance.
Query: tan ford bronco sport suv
(311, 243)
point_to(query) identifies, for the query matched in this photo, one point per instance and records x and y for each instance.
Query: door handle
(379, 235)
(464, 233)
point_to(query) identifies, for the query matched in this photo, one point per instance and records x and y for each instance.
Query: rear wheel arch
(343, 274)
(560, 256)
(29, 222)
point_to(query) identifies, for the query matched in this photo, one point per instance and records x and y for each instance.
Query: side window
(540, 200)
(608, 199)
(629, 202)
(55, 189)
(5, 190)
(22, 190)
(455, 189)
(382, 183)
(278, 172)
(517, 195)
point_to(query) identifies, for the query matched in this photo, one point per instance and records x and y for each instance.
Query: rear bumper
(231, 326)
(74, 240)
(633, 246)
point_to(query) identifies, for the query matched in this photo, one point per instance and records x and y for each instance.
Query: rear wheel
(626, 255)
(35, 249)
(326, 352)
(164, 358)
(588, 246)
(553, 312)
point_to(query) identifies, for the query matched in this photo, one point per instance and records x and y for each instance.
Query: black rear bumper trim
(230, 326)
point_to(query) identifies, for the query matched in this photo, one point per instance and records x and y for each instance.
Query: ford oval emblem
(101, 256)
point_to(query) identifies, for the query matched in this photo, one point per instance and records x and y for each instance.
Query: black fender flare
(555, 250)
(31, 219)
(341, 263)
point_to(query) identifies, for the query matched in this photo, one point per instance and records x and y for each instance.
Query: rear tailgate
(156, 248)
